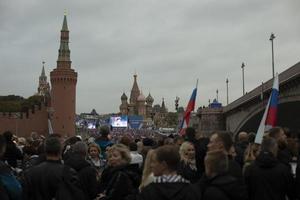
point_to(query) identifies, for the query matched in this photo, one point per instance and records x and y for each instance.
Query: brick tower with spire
(63, 88)
(44, 87)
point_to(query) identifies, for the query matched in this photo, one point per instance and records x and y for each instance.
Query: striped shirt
(170, 179)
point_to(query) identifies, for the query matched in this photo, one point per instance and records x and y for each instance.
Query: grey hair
(80, 147)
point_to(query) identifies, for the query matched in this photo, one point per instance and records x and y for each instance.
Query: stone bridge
(245, 113)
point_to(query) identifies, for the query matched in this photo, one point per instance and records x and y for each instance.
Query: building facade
(138, 104)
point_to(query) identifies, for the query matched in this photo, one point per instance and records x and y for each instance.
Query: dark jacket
(221, 187)
(12, 154)
(267, 178)
(10, 188)
(234, 169)
(298, 178)
(86, 173)
(167, 191)
(240, 149)
(120, 182)
(193, 175)
(49, 180)
(285, 156)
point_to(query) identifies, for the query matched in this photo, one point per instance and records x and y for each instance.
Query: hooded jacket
(120, 182)
(221, 187)
(267, 178)
(87, 175)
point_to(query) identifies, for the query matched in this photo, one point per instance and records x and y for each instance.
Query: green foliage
(13, 103)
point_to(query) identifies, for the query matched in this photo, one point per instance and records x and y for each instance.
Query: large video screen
(119, 121)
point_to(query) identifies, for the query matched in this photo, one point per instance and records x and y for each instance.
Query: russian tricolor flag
(270, 115)
(187, 114)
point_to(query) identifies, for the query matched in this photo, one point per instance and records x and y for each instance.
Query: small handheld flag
(187, 114)
(270, 115)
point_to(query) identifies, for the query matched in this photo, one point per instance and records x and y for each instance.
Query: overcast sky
(169, 43)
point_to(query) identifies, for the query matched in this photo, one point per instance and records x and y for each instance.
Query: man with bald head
(240, 147)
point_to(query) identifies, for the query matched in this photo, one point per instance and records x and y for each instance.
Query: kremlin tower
(63, 88)
(44, 88)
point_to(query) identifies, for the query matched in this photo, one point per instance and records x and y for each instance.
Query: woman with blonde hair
(188, 168)
(118, 180)
(147, 176)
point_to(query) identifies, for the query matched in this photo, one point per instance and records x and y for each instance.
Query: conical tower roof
(65, 24)
(163, 106)
(135, 91)
(43, 71)
(64, 51)
(43, 77)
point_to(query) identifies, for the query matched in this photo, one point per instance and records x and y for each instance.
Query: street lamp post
(217, 95)
(272, 37)
(243, 77)
(227, 90)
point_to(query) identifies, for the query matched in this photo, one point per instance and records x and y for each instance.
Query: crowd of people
(125, 165)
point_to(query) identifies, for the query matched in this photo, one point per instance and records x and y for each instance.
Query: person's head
(278, 134)
(72, 140)
(125, 140)
(148, 142)
(187, 151)
(243, 137)
(165, 160)
(251, 137)
(178, 140)
(168, 141)
(80, 148)
(53, 147)
(133, 146)
(8, 136)
(190, 133)
(216, 162)
(220, 141)
(2, 145)
(104, 131)
(118, 155)
(35, 135)
(21, 141)
(269, 144)
(94, 150)
(140, 146)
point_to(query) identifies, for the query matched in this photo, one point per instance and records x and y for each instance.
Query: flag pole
(197, 83)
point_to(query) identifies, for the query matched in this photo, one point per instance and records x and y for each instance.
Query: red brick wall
(36, 122)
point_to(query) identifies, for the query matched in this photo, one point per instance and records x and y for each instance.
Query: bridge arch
(288, 115)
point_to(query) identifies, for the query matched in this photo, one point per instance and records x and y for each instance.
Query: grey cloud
(169, 43)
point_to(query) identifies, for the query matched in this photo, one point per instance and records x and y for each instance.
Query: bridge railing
(284, 77)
